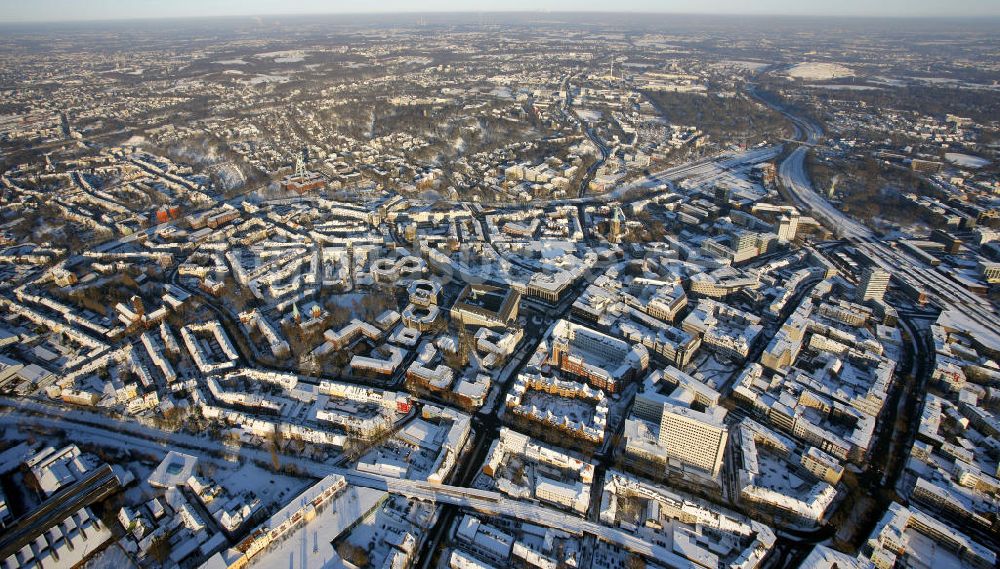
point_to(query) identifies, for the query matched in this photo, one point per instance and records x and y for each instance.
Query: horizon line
(851, 16)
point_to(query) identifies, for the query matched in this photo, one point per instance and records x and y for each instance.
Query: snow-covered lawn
(966, 160)
(268, 79)
(740, 64)
(840, 87)
(287, 56)
(588, 114)
(819, 71)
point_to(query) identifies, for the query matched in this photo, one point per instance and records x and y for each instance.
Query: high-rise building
(687, 434)
(788, 226)
(693, 437)
(746, 245)
(874, 282)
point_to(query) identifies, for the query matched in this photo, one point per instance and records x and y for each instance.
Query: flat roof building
(874, 282)
(484, 305)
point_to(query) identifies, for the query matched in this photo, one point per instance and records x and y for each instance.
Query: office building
(874, 282)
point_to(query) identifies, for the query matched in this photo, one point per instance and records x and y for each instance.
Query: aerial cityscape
(464, 290)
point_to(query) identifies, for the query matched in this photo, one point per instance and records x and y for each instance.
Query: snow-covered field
(965, 160)
(414, 59)
(819, 71)
(502, 92)
(230, 176)
(114, 557)
(845, 87)
(268, 79)
(288, 56)
(712, 372)
(740, 64)
(888, 81)
(231, 62)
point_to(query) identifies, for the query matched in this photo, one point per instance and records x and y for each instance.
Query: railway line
(959, 304)
(97, 485)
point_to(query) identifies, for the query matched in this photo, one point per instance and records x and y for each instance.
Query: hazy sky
(61, 10)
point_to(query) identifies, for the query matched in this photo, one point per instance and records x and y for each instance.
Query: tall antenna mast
(300, 164)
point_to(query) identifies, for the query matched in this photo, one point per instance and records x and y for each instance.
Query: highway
(958, 304)
(974, 312)
(605, 154)
(588, 131)
(129, 434)
(792, 172)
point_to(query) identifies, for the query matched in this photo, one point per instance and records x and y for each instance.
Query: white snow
(287, 56)
(304, 547)
(819, 71)
(740, 64)
(841, 87)
(966, 160)
(13, 457)
(114, 557)
(589, 115)
(502, 92)
(936, 80)
(268, 79)
(888, 81)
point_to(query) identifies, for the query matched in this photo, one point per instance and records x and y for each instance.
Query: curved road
(792, 172)
(974, 312)
(605, 153)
